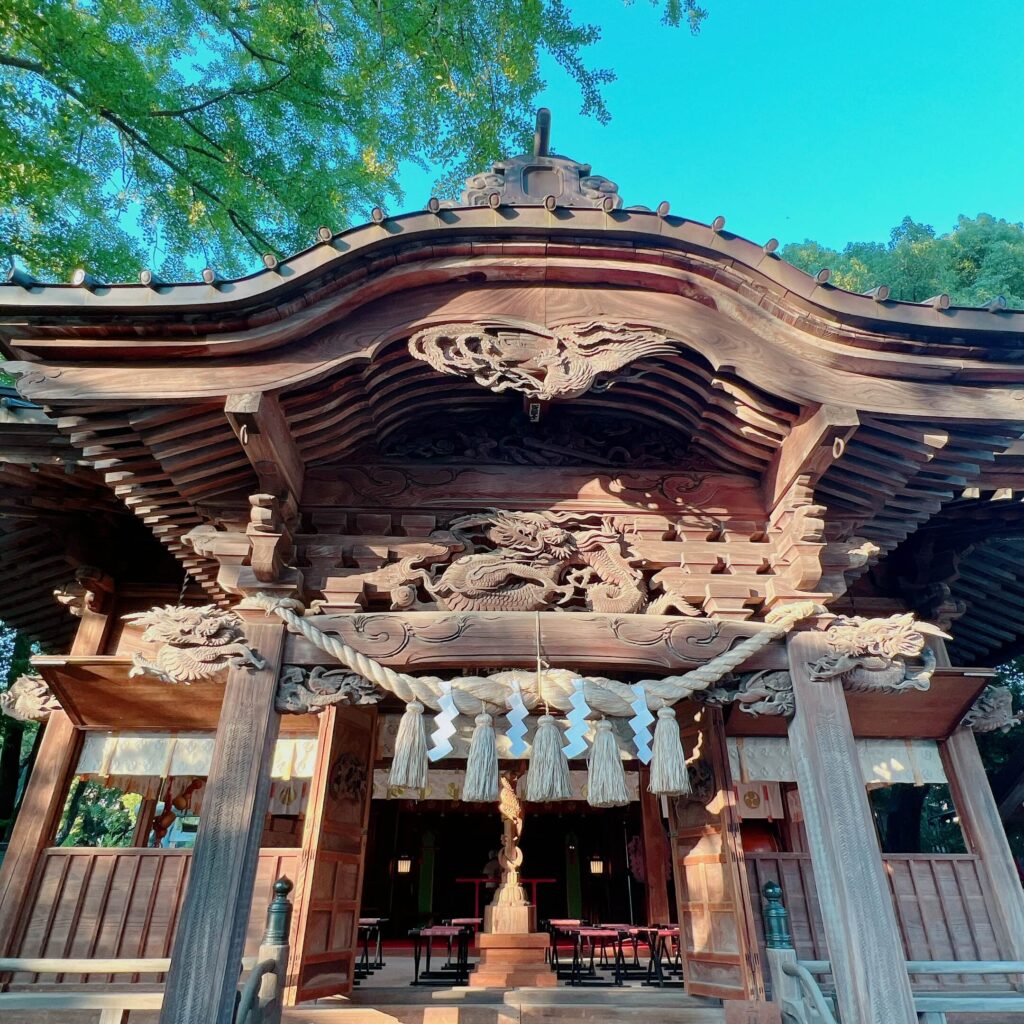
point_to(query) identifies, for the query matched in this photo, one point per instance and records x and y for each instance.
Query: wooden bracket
(262, 428)
(811, 447)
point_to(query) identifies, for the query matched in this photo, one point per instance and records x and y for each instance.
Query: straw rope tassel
(548, 775)
(481, 783)
(606, 778)
(669, 776)
(409, 767)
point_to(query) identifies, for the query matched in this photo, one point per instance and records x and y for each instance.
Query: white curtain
(882, 762)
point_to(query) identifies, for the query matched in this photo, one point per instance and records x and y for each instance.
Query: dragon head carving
(197, 642)
(872, 654)
(188, 626)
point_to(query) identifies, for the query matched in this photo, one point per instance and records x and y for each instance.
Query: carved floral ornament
(541, 363)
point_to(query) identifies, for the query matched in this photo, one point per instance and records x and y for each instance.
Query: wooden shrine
(530, 455)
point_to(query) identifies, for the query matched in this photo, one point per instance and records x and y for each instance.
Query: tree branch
(233, 91)
(247, 230)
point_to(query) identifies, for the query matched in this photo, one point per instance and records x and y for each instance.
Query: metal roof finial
(542, 133)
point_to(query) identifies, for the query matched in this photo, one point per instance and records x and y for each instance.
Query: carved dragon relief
(196, 643)
(993, 711)
(28, 699)
(543, 364)
(521, 561)
(872, 654)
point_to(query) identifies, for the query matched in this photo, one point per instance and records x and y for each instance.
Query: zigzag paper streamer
(445, 729)
(576, 736)
(640, 723)
(517, 723)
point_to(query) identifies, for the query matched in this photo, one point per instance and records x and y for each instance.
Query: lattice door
(719, 955)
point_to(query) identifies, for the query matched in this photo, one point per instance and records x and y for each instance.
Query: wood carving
(564, 362)
(757, 693)
(871, 654)
(90, 590)
(196, 643)
(564, 436)
(531, 561)
(308, 691)
(28, 699)
(509, 910)
(993, 711)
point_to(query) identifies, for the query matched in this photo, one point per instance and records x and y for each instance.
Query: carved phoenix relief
(756, 693)
(301, 690)
(872, 654)
(543, 364)
(196, 643)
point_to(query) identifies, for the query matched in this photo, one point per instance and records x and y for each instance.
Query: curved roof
(530, 196)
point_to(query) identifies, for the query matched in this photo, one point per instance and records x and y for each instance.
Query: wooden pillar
(37, 820)
(205, 961)
(868, 960)
(45, 795)
(656, 853)
(983, 828)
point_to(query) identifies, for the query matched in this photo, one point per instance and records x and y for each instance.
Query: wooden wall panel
(123, 903)
(940, 908)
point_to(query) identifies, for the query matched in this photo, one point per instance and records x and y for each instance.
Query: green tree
(981, 258)
(163, 132)
(16, 738)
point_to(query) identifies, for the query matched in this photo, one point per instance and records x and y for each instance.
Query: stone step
(563, 995)
(554, 1013)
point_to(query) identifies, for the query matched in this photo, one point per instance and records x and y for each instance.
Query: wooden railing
(121, 903)
(939, 899)
(260, 997)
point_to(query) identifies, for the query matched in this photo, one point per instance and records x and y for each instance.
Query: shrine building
(575, 589)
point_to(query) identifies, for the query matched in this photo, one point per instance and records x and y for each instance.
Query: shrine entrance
(437, 860)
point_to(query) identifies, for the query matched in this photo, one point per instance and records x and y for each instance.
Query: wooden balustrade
(121, 903)
(939, 900)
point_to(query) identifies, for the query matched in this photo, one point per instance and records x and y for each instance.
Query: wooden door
(330, 883)
(720, 956)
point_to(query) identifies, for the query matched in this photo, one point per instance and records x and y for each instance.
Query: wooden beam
(656, 852)
(203, 980)
(811, 447)
(261, 426)
(983, 829)
(872, 985)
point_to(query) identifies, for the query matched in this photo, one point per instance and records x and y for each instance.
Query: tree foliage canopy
(978, 260)
(162, 132)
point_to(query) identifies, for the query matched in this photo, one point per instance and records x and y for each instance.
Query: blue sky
(798, 120)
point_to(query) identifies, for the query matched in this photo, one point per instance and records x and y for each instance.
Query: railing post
(275, 947)
(779, 947)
